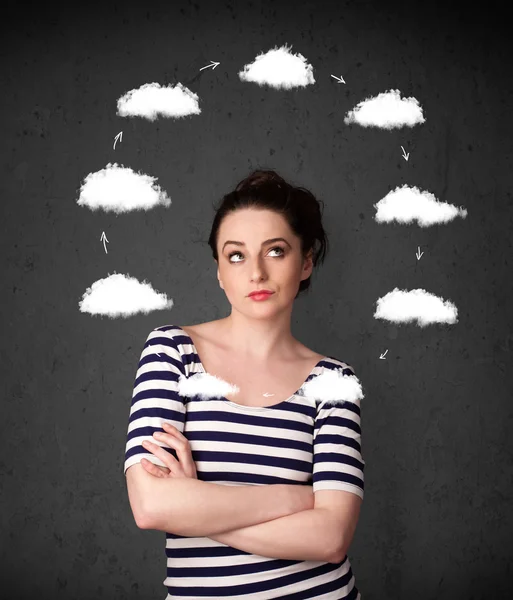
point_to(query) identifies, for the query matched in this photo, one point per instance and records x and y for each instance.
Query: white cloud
(279, 68)
(406, 204)
(334, 387)
(206, 386)
(386, 110)
(417, 305)
(151, 100)
(122, 296)
(121, 190)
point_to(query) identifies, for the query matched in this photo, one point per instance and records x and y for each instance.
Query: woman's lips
(262, 296)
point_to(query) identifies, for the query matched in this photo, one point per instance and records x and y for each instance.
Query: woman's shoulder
(199, 328)
(207, 331)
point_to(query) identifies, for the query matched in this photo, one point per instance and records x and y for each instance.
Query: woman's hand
(184, 467)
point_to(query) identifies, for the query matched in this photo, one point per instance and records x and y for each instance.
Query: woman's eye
(281, 253)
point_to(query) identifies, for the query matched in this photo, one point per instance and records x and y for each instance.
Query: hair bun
(259, 178)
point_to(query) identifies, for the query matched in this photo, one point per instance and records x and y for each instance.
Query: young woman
(258, 491)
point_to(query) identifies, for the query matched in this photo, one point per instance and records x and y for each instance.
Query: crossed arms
(276, 521)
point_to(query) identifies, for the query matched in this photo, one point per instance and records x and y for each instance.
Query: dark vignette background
(436, 519)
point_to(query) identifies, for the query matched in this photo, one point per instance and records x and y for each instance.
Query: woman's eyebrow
(270, 241)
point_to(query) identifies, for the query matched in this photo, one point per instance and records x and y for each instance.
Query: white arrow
(120, 137)
(213, 67)
(341, 80)
(266, 394)
(104, 239)
(405, 156)
(382, 356)
(418, 254)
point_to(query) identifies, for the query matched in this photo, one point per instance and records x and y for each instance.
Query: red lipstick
(260, 294)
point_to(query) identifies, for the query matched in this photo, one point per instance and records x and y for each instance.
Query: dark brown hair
(266, 190)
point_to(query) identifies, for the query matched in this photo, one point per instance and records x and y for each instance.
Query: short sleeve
(337, 454)
(155, 397)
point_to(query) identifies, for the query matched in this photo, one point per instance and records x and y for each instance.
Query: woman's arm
(195, 508)
(306, 535)
(303, 534)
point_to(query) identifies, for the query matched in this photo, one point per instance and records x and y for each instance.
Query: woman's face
(256, 264)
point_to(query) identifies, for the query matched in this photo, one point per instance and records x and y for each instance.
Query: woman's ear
(308, 261)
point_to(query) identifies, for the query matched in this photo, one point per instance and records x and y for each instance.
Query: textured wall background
(436, 521)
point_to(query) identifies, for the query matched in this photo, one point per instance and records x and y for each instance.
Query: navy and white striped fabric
(301, 440)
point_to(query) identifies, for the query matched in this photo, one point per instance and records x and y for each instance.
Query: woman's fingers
(184, 466)
(169, 460)
(153, 469)
(181, 445)
(161, 470)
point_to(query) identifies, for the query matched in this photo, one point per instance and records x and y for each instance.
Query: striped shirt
(300, 440)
